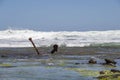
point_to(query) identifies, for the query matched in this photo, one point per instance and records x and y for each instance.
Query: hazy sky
(59, 15)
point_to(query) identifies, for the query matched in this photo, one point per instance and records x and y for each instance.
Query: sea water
(19, 38)
(58, 67)
(25, 64)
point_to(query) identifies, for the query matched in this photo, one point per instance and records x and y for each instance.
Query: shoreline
(21, 52)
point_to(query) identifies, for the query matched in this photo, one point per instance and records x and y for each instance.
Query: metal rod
(30, 39)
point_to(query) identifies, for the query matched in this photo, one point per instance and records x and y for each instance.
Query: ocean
(19, 60)
(19, 38)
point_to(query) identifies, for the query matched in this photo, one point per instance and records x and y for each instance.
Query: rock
(102, 72)
(109, 75)
(109, 61)
(111, 64)
(77, 63)
(3, 56)
(92, 61)
(114, 70)
(55, 49)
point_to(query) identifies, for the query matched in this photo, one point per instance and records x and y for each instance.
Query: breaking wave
(19, 38)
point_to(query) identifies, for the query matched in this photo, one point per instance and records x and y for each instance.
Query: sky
(60, 15)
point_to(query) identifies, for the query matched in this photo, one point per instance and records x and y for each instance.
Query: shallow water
(56, 67)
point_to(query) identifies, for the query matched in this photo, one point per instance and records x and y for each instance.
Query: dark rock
(110, 64)
(109, 61)
(92, 61)
(77, 63)
(102, 72)
(109, 76)
(3, 56)
(114, 70)
(55, 49)
(118, 58)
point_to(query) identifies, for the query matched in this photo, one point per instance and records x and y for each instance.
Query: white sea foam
(19, 38)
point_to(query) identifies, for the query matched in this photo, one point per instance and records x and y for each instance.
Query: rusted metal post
(30, 39)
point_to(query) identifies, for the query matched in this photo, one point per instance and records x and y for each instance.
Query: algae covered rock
(100, 75)
(109, 75)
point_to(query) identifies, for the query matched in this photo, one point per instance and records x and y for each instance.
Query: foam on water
(19, 38)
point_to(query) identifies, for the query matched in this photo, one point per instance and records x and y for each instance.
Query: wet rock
(3, 56)
(102, 72)
(109, 75)
(55, 49)
(92, 61)
(111, 64)
(118, 58)
(77, 63)
(109, 61)
(114, 71)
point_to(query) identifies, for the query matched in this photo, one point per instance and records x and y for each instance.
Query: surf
(19, 38)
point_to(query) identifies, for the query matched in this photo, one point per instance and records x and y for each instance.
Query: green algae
(6, 65)
(109, 75)
(84, 72)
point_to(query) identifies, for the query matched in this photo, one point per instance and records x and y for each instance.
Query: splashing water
(19, 38)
